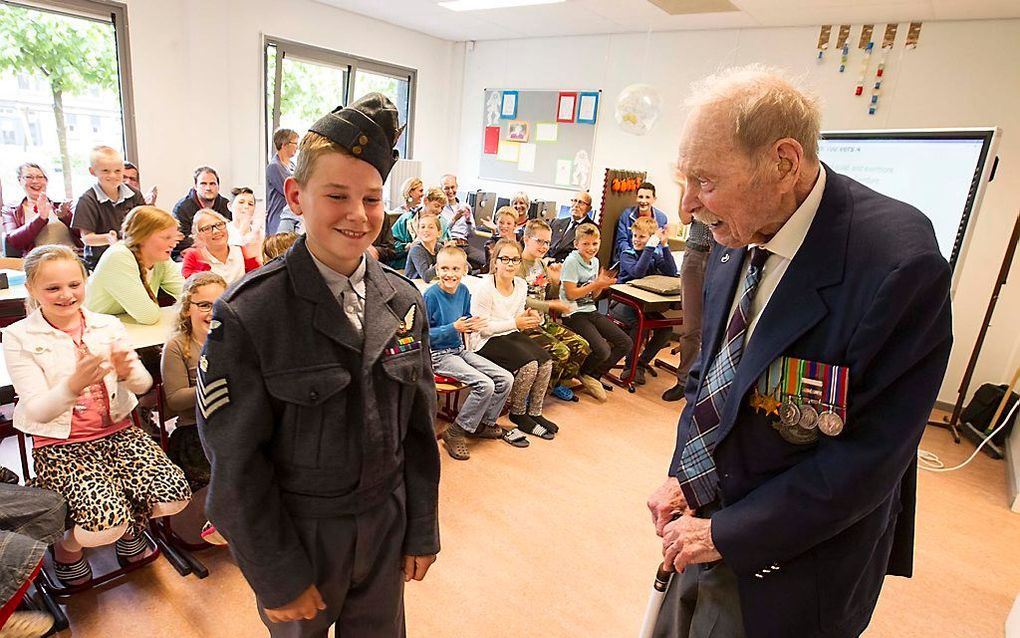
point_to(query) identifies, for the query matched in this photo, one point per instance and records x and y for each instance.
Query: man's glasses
(211, 227)
(580, 201)
(509, 261)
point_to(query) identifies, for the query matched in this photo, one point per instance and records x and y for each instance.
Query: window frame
(338, 59)
(117, 14)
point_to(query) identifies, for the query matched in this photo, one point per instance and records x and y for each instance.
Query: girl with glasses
(212, 250)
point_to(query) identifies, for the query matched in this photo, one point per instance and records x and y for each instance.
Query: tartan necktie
(697, 473)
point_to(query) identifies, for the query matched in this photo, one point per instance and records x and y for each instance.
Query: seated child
(245, 228)
(276, 245)
(506, 226)
(179, 369)
(421, 257)
(131, 273)
(405, 229)
(581, 282)
(449, 310)
(77, 377)
(500, 299)
(648, 255)
(211, 250)
(100, 211)
(567, 349)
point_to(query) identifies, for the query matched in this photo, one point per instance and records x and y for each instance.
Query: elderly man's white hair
(764, 105)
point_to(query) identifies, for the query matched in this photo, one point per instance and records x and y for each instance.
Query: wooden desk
(14, 293)
(644, 303)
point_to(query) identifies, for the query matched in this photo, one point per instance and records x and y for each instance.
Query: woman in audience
(520, 202)
(413, 190)
(506, 225)
(500, 299)
(276, 245)
(245, 229)
(179, 369)
(37, 220)
(421, 258)
(76, 377)
(212, 252)
(130, 275)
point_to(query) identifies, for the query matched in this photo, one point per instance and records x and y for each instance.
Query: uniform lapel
(381, 321)
(308, 283)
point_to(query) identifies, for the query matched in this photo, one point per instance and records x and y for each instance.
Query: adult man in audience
(564, 228)
(692, 282)
(204, 194)
(285, 141)
(644, 208)
(460, 223)
(827, 330)
(131, 178)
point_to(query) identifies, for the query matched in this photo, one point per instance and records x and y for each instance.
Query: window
(57, 124)
(304, 82)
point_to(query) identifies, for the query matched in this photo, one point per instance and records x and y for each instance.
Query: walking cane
(659, 587)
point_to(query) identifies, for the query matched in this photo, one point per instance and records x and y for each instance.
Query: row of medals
(799, 420)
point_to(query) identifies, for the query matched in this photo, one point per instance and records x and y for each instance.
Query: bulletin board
(541, 138)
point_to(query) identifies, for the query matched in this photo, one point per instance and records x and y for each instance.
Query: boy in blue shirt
(448, 304)
(645, 209)
(649, 255)
(581, 282)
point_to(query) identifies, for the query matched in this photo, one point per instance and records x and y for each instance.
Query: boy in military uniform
(316, 402)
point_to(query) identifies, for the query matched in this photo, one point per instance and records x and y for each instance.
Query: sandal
(72, 574)
(563, 393)
(530, 425)
(211, 536)
(131, 550)
(456, 444)
(545, 423)
(491, 431)
(515, 438)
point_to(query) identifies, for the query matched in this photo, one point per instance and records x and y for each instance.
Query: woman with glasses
(212, 250)
(500, 298)
(132, 273)
(37, 220)
(179, 370)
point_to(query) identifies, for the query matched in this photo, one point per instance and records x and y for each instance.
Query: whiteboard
(941, 172)
(537, 142)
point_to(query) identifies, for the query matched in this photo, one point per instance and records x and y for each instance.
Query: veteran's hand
(688, 541)
(666, 503)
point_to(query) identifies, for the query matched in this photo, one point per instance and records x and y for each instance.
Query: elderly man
(826, 333)
(460, 223)
(564, 228)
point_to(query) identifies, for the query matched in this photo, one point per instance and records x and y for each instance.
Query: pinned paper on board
(492, 108)
(565, 107)
(491, 140)
(547, 131)
(526, 158)
(508, 108)
(587, 108)
(563, 170)
(508, 151)
(582, 169)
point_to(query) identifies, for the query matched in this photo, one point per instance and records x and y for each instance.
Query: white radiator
(402, 170)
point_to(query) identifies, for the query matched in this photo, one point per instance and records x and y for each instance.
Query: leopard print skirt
(110, 481)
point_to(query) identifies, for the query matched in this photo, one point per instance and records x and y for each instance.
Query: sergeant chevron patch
(211, 396)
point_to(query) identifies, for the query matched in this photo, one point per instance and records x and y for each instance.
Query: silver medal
(808, 417)
(830, 423)
(789, 413)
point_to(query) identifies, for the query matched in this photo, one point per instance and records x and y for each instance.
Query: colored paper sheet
(508, 151)
(526, 158)
(491, 140)
(587, 108)
(563, 172)
(547, 132)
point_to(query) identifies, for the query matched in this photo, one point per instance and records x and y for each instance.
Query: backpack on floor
(982, 407)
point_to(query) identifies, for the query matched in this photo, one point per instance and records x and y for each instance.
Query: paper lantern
(637, 108)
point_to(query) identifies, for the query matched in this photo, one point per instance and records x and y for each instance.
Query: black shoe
(639, 376)
(606, 385)
(673, 394)
(7, 476)
(546, 423)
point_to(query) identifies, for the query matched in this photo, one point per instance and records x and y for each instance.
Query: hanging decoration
(823, 40)
(887, 44)
(637, 108)
(866, 44)
(843, 46)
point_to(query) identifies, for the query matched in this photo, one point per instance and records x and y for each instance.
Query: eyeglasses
(508, 261)
(204, 306)
(580, 201)
(211, 227)
(540, 242)
(29, 178)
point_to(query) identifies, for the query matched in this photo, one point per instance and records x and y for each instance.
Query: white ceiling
(581, 17)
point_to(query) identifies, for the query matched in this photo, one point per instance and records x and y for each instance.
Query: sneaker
(456, 442)
(563, 393)
(674, 394)
(27, 624)
(593, 386)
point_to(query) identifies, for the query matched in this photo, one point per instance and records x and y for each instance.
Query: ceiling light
(478, 5)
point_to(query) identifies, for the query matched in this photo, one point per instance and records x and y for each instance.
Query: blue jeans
(488, 385)
(30, 520)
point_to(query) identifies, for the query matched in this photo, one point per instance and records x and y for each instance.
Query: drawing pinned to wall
(824, 35)
(587, 108)
(563, 169)
(913, 35)
(526, 158)
(508, 151)
(491, 140)
(492, 108)
(843, 45)
(517, 131)
(508, 107)
(565, 107)
(637, 108)
(546, 131)
(582, 169)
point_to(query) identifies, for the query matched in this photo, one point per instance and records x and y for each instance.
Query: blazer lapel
(307, 281)
(381, 321)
